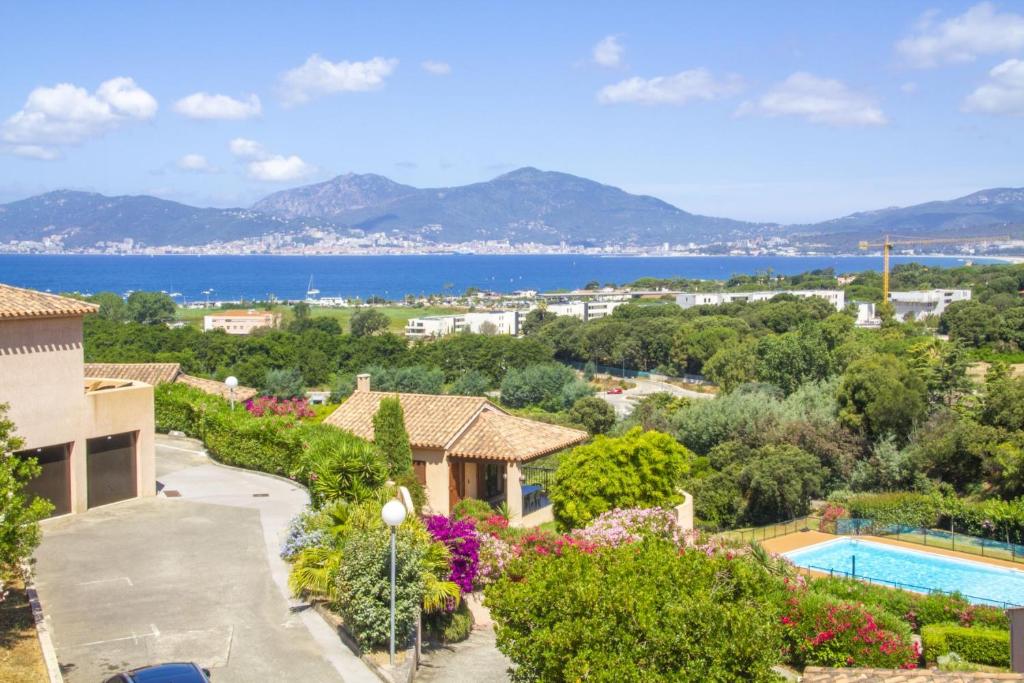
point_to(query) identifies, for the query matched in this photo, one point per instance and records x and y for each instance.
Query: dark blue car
(178, 672)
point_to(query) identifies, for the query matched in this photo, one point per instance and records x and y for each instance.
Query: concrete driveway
(626, 401)
(189, 577)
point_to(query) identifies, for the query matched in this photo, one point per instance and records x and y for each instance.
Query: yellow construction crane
(887, 244)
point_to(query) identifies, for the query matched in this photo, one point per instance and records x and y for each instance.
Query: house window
(494, 479)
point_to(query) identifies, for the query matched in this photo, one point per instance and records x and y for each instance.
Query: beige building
(241, 322)
(467, 447)
(93, 436)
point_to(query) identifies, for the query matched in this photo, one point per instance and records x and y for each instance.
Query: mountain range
(525, 205)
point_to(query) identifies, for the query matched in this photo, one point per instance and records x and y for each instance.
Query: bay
(232, 278)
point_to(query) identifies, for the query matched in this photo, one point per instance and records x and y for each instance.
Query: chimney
(363, 382)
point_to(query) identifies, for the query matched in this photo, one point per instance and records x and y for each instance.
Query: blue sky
(783, 112)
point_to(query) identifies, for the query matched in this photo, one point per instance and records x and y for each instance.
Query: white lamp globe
(393, 513)
(231, 382)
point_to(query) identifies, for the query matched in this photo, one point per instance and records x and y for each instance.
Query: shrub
(450, 627)
(283, 383)
(472, 508)
(495, 555)
(471, 383)
(595, 414)
(540, 385)
(824, 631)
(271, 405)
(617, 527)
(977, 645)
(634, 613)
(636, 470)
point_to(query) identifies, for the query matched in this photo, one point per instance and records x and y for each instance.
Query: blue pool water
(915, 570)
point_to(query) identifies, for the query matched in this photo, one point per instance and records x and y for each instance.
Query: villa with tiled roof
(465, 447)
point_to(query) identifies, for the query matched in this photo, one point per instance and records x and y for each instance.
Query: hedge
(977, 645)
(275, 444)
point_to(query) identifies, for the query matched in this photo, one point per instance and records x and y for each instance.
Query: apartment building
(241, 321)
(918, 305)
(836, 297)
(479, 322)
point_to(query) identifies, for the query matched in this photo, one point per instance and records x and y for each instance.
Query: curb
(43, 631)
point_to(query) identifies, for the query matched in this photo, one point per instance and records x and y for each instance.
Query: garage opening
(54, 482)
(110, 468)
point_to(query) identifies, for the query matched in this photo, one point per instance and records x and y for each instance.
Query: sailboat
(311, 292)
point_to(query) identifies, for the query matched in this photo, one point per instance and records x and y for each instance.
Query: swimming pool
(914, 569)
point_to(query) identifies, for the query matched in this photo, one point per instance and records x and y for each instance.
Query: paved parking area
(189, 578)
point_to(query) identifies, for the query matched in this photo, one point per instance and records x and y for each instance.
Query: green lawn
(398, 315)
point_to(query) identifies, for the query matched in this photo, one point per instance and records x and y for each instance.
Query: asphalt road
(626, 401)
(189, 578)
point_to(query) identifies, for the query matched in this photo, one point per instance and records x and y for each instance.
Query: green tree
(391, 437)
(471, 383)
(150, 308)
(112, 306)
(699, 340)
(637, 613)
(1003, 403)
(19, 512)
(791, 359)
(779, 483)
(732, 366)
(880, 396)
(637, 469)
(283, 383)
(594, 413)
(367, 321)
(536, 319)
(539, 385)
(971, 322)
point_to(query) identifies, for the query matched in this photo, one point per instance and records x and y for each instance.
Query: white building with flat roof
(583, 310)
(836, 297)
(478, 322)
(918, 305)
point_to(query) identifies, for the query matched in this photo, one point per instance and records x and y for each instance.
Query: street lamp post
(232, 383)
(393, 513)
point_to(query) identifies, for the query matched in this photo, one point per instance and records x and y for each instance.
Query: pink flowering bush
(271, 405)
(618, 526)
(820, 630)
(495, 555)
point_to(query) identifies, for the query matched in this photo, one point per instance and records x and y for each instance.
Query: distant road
(626, 401)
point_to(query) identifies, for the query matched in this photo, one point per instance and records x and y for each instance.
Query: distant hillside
(85, 218)
(993, 212)
(524, 205)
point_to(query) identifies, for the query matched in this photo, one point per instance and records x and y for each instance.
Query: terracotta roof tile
(150, 373)
(815, 674)
(501, 436)
(212, 386)
(468, 426)
(16, 302)
(432, 421)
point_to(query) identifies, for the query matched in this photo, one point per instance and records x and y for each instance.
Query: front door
(456, 482)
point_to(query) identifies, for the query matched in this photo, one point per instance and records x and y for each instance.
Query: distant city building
(241, 322)
(918, 305)
(479, 322)
(836, 297)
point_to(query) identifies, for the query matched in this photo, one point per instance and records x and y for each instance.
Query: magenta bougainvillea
(464, 545)
(270, 405)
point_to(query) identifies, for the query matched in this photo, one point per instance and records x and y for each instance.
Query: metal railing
(832, 572)
(536, 479)
(934, 538)
(763, 533)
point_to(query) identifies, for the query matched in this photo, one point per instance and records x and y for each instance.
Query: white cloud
(818, 100)
(279, 168)
(436, 68)
(319, 76)
(203, 105)
(246, 149)
(262, 165)
(909, 88)
(695, 84)
(608, 52)
(981, 30)
(66, 114)
(195, 163)
(1003, 93)
(35, 152)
